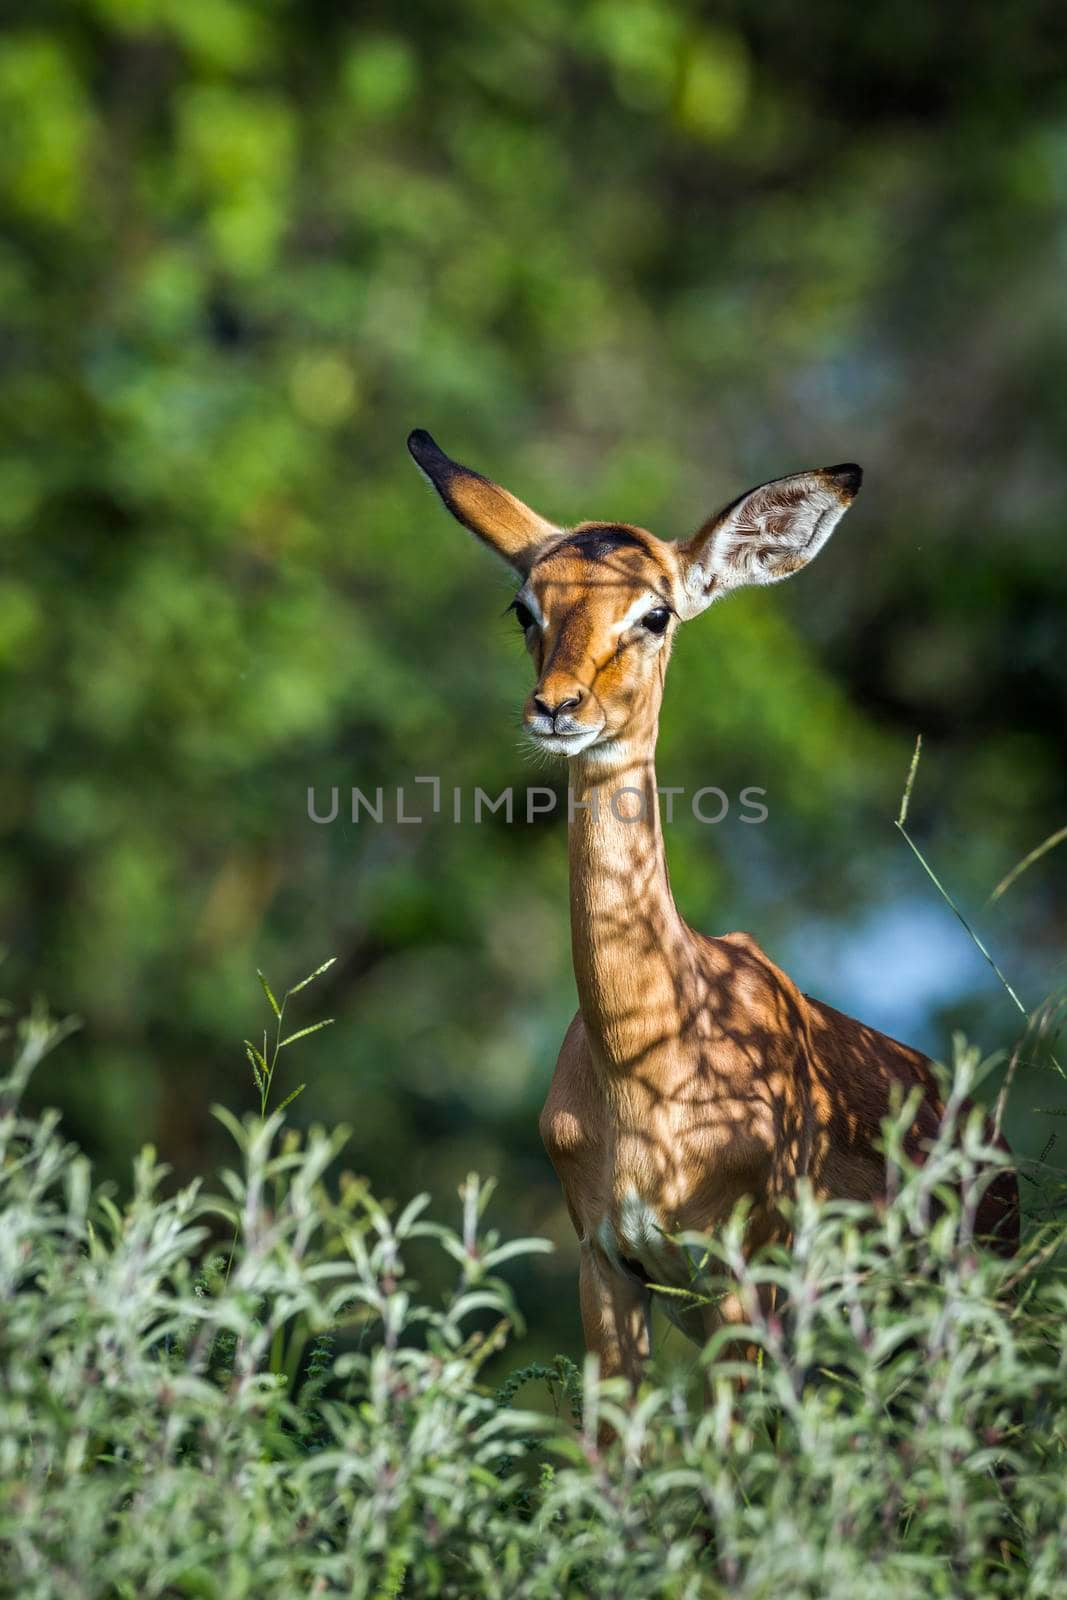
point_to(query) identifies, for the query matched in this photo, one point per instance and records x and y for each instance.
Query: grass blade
(905, 800)
(1020, 866)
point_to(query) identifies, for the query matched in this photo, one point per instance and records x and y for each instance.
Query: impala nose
(547, 709)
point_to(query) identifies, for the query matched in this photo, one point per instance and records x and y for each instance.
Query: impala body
(695, 1073)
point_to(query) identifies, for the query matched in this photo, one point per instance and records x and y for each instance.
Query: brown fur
(695, 1073)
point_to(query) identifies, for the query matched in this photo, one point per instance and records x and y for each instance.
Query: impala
(695, 1073)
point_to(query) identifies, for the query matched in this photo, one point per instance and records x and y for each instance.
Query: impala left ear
(498, 518)
(766, 535)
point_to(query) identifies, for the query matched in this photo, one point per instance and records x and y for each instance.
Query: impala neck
(629, 944)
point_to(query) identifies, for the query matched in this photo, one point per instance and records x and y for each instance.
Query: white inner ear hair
(767, 536)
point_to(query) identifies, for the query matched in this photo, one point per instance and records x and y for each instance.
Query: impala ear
(502, 522)
(765, 535)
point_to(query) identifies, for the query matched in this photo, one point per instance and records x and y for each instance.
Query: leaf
(231, 1124)
(476, 1300)
(303, 1032)
(275, 1007)
(409, 1214)
(452, 1245)
(326, 965)
(516, 1247)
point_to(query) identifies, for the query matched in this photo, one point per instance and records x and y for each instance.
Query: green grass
(240, 1391)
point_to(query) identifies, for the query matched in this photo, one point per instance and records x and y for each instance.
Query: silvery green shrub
(242, 1393)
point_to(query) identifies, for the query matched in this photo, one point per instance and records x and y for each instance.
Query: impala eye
(656, 621)
(524, 614)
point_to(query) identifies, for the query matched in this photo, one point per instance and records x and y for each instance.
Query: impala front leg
(616, 1315)
(731, 1311)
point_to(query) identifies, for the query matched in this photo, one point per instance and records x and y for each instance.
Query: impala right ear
(765, 535)
(495, 516)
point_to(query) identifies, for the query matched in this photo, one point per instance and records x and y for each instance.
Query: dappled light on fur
(695, 1076)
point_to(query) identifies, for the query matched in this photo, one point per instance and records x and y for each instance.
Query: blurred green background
(628, 258)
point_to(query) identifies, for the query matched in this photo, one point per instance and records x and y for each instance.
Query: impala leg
(730, 1312)
(615, 1319)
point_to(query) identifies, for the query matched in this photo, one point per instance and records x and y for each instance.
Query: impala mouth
(566, 741)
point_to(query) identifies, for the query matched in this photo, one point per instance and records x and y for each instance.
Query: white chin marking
(567, 744)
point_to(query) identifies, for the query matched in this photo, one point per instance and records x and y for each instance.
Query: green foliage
(310, 1422)
(630, 257)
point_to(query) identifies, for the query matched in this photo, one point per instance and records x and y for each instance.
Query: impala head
(599, 604)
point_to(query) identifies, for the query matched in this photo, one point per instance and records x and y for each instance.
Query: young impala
(695, 1072)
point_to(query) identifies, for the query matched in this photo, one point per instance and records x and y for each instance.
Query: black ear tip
(421, 444)
(847, 476)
